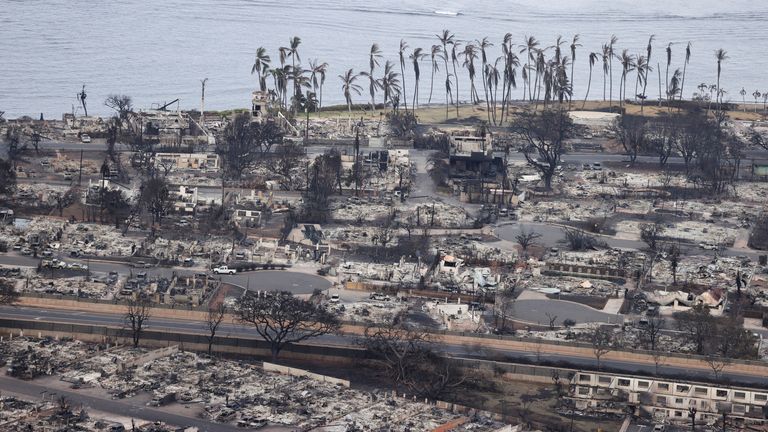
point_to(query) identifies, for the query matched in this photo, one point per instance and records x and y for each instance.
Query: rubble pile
(690, 231)
(237, 392)
(370, 312)
(400, 272)
(29, 358)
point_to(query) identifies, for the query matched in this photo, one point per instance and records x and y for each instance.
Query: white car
(708, 246)
(85, 138)
(335, 298)
(224, 270)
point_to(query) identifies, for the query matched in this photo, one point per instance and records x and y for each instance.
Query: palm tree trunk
(658, 67)
(431, 85)
(589, 84)
(487, 102)
(682, 85)
(405, 93)
(456, 75)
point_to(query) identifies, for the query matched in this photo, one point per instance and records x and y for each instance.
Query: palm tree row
(546, 73)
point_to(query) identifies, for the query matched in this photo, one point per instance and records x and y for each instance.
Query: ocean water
(157, 51)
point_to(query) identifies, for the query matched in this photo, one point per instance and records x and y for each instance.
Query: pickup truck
(224, 270)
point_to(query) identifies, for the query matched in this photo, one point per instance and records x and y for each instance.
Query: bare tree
(673, 256)
(282, 319)
(7, 177)
(578, 239)
(651, 234)
(699, 325)
(526, 238)
(631, 132)
(552, 320)
(213, 320)
(651, 332)
(137, 313)
(544, 135)
(8, 293)
(407, 356)
(717, 364)
(123, 106)
(602, 341)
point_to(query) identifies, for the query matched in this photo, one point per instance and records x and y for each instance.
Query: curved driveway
(535, 312)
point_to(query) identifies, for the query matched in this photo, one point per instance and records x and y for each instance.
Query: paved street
(475, 349)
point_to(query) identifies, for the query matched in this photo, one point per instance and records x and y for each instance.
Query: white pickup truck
(224, 270)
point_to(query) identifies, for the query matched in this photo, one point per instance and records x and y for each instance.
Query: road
(474, 350)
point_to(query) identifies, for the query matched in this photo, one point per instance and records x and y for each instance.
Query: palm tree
(492, 78)
(435, 54)
(259, 64)
(648, 52)
(756, 94)
(743, 94)
(417, 56)
(317, 76)
(666, 73)
(592, 60)
(348, 86)
(685, 66)
(529, 45)
(605, 56)
(447, 92)
(403, 47)
(674, 86)
(611, 43)
(470, 55)
(575, 44)
(720, 55)
(627, 65)
(455, 59)
(511, 62)
(642, 64)
(389, 83)
(446, 38)
(292, 51)
(484, 45)
(373, 60)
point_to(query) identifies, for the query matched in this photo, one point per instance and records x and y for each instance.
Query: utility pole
(80, 174)
(202, 104)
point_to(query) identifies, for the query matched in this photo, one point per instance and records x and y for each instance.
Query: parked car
(335, 298)
(85, 138)
(188, 262)
(224, 270)
(708, 246)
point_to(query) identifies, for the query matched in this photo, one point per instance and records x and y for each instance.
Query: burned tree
(544, 135)
(123, 106)
(7, 177)
(578, 239)
(137, 313)
(8, 293)
(213, 320)
(631, 131)
(286, 159)
(526, 238)
(651, 331)
(407, 356)
(602, 342)
(698, 324)
(651, 234)
(324, 176)
(156, 198)
(245, 142)
(282, 319)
